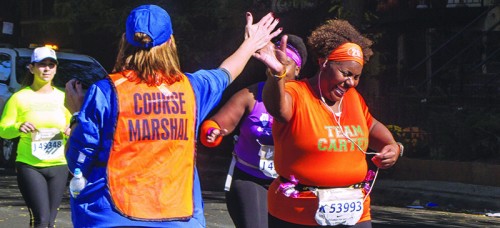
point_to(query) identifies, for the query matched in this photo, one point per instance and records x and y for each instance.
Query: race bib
(339, 206)
(266, 164)
(47, 143)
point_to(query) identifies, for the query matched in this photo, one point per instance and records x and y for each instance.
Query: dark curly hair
(333, 33)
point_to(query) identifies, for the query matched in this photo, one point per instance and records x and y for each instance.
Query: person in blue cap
(134, 133)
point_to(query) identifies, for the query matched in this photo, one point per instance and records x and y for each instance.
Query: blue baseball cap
(151, 20)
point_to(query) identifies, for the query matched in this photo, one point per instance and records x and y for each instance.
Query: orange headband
(346, 52)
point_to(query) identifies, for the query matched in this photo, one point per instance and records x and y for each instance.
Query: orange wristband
(206, 128)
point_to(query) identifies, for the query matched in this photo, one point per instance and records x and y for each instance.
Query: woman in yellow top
(37, 115)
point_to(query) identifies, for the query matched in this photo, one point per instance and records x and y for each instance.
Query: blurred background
(434, 79)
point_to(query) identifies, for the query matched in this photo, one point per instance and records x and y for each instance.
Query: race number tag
(266, 164)
(339, 206)
(47, 143)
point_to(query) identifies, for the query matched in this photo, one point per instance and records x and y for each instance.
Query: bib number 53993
(339, 206)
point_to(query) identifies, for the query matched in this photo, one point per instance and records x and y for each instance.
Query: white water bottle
(77, 183)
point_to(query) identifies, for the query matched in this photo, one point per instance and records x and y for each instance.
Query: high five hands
(262, 29)
(275, 59)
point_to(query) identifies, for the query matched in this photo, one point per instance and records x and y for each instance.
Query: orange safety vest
(151, 163)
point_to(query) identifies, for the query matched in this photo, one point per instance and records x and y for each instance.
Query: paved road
(13, 212)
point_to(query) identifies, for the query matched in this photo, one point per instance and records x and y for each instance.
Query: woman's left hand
(387, 157)
(262, 31)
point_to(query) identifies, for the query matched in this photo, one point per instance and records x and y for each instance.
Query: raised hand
(74, 95)
(275, 59)
(262, 31)
(256, 37)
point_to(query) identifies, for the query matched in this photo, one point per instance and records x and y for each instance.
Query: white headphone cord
(340, 114)
(343, 133)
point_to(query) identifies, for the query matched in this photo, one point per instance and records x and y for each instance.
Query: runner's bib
(339, 206)
(47, 143)
(266, 163)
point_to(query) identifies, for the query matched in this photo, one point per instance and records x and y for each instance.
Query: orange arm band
(206, 128)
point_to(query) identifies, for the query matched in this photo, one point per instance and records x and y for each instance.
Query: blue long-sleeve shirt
(90, 145)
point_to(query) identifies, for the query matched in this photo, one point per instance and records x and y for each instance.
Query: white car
(13, 68)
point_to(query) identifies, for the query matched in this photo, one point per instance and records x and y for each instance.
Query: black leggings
(278, 223)
(246, 200)
(42, 190)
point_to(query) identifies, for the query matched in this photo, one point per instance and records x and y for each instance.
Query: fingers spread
(266, 20)
(276, 33)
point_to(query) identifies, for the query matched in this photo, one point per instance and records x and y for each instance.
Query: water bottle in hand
(77, 183)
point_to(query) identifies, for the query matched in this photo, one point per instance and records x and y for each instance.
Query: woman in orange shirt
(322, 132)
(251, 170)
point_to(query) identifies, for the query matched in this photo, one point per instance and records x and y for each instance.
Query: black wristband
(73, 119)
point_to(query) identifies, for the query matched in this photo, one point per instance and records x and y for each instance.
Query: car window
(5, 68)
(86, 72)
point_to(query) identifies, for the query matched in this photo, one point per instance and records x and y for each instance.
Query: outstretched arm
(256, 36)
(278, 103)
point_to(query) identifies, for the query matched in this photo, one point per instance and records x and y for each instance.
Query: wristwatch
(73, 119)
(401, 149)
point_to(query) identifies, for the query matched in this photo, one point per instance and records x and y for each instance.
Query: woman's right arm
(227, 118)
(88, 137)
(277, 101)
(9, 127)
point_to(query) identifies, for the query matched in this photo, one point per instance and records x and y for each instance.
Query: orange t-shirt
(312, 147)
